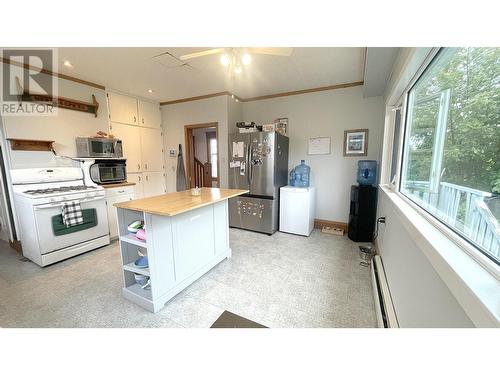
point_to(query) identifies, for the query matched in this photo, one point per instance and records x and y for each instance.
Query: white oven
(39, 195)
(53, 235)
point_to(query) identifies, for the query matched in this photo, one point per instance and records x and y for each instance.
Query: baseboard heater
(386, 316)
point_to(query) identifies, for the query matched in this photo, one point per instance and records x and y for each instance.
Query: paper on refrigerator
(238, 149)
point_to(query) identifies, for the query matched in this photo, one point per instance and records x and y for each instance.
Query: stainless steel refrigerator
(258, 162)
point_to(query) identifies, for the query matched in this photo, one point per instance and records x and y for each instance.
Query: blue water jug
(299, 176)
(367, 172)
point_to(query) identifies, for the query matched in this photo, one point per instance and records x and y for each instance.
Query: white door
(192, 250)
(110, 201)
(122, 109)
(52, 235)
(137, 178)
(149, 114)
(131, 144)
(294, 210)
(152, 150)
(154, 184)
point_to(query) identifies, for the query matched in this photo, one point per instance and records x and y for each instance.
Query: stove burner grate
(61, 189)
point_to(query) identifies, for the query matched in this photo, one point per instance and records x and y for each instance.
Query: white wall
(176, 116)
(62, 128)
(234, 114)
(325, 114)
(420, 297)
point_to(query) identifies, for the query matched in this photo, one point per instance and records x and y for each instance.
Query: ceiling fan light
(237, 69)
(224, 60)
(246, 59)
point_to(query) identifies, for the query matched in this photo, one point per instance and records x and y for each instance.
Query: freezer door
(238, 161)
(262, 164)
(260, 215)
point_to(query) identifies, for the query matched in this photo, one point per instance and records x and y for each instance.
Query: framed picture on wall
(356, 142)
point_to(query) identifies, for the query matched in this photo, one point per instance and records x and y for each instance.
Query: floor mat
(229, 320)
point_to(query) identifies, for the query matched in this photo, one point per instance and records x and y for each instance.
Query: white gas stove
(39, 194)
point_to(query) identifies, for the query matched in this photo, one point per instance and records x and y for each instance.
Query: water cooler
(363, 207)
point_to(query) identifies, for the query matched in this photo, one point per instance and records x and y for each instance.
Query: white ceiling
(134, 70)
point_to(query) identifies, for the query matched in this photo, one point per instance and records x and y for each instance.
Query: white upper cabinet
(131, 144)
(152, 150)
(123, 109)
(149, 114)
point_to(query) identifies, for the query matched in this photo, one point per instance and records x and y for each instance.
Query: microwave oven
(88, 147)
(108, 171)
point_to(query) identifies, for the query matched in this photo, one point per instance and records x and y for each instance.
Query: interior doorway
(202, 155)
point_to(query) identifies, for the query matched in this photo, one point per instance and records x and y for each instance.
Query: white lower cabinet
(137, 179)
(154, 183)
(148, 184)
(116, 195)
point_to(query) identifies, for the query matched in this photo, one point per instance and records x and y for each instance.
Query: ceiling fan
(235, 58)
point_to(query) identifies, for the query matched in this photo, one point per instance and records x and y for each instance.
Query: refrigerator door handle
(248, 164)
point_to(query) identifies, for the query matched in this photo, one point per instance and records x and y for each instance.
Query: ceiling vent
(169, 61)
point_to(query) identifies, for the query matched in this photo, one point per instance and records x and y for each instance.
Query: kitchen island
(186, 236)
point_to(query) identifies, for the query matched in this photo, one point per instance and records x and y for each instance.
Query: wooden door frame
(188, 146)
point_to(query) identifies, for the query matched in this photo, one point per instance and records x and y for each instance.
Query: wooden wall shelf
(30, 144)
(75, 105)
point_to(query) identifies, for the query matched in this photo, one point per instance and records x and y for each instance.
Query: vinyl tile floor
(280, 281)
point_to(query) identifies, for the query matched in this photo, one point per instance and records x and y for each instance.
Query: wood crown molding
(306, 91)
(193, 98)
(58, 75)
(277, 95)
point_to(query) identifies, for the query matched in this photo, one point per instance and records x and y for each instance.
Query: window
(212, 152)
(451, 164)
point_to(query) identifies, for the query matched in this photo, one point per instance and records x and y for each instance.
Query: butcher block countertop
(117, 185)
(176, 203)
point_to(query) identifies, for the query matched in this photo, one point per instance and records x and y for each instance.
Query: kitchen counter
(118, 185)
(176, 203)
(186, 236)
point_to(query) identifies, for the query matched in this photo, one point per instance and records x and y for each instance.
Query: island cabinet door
(221, 227)
(193, 239)
(160, 254)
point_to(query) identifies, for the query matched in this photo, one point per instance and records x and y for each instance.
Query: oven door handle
(60, 204)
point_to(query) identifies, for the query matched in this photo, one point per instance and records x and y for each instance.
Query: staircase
(202, 174)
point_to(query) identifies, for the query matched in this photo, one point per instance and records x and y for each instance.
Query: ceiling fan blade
(275, 51)
(202, 53)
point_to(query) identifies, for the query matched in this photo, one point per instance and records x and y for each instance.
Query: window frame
(473, 251)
